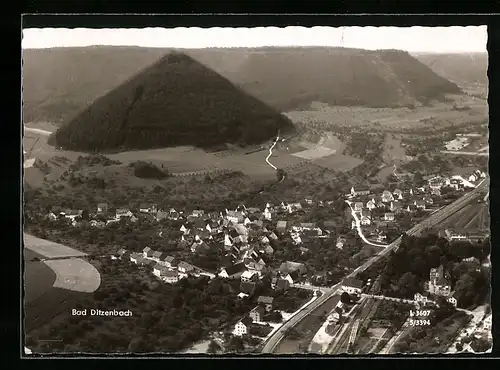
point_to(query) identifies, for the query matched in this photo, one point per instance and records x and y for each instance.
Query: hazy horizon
(417, 40)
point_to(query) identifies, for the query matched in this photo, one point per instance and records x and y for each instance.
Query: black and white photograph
(243, 191)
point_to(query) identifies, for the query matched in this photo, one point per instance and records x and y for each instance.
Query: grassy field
(391, 119)
(394, 153)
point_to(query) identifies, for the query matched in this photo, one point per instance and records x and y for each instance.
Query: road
(360, 231)
(38, 131)
(434, 219)
(481, 154)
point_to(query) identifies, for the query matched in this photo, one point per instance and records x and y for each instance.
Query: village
(246, 236)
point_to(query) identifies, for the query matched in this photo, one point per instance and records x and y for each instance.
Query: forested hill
(59, 83)
(176, 101)
(461, 68)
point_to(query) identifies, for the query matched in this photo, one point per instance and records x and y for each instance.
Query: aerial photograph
(256, 191)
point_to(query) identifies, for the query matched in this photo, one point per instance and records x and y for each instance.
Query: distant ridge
(59, 83)
(176, 101)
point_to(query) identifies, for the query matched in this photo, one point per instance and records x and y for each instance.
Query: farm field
(38, 277)
(471, 217)
(49, 249)
(42, 301)
(396, 118)
(75, 274)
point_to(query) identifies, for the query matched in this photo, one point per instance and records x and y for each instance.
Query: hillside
(291, 78)
(176, 101)
(460, 68)
(59, 83)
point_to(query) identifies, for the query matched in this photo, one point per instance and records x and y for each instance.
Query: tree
(213, 347)
(236, 344)
(459, 346)
(345, 298)
(280, 174)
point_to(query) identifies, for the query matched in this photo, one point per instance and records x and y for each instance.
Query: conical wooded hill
(176, 101)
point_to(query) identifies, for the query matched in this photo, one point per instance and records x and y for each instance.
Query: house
(242, 296)
(123, 212)
(135, 258)
(257, 314)
(452, 300)
(161, 215)
(121, 252)
(157, 256)
(146, 262)
(268, 249)
(398, 193)
(293, 277)
(145, 252)
(436, 192)
(389, 216)
(436, 182)
(420, 204)
(289, 266)
(157, 269)
(365, 220)
(185, 267)
(73, 214)
(264, 240)
(247, 287)
(396, 206)
(352, 286)
(233, 272)
(267, 214)
(453, 235)
(148, 208)
(198, 213)
(280, 284)
(358, 206)
(371, 205)
(173, 214)
(360, 191)
(303, 250)
(428, 200)
(439, 282)
(241, 328)
(169, 276)
(340, 242)
(272, 235)
(249, 276)
(102, 208)
(168, 261)
(420, 298)
(235, 217)
(387, 196)
(266, 302)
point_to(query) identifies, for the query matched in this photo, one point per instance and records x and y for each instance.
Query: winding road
(360, 232)
(271, 152)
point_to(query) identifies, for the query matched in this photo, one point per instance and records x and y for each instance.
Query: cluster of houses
(439, 284)
(165, 267)
(255, 320)
(382, 209)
